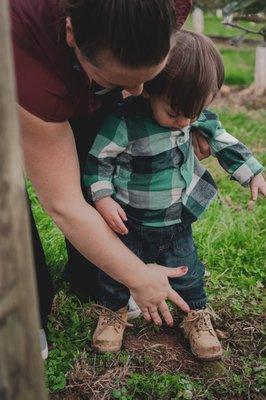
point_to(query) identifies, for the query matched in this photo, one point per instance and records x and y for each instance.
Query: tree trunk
(198, 20)
(260, 71)
(219, 13)
(21, 369)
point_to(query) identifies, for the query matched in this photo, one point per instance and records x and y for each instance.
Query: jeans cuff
(197, 304)
(112, 306)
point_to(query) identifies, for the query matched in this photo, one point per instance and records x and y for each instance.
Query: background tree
(252, 11)
(235, 14)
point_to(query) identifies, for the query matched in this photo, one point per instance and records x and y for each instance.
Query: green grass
(239, 65)
(52, 240)
(157, 386)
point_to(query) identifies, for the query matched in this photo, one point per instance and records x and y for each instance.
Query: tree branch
(250, 18)
(233, 25)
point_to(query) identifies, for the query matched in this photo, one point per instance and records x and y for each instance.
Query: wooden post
(21, 368)
(198, 20)
(260, 70)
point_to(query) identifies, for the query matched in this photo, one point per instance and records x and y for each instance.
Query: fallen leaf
(222, 334)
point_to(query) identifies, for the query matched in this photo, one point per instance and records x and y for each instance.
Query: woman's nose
(136, 90)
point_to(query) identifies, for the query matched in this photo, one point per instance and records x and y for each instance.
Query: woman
(63, 52)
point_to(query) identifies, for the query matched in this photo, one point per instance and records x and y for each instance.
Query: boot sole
(214, 358)
(102, 351)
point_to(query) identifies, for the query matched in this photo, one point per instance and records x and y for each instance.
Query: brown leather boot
(203, 340)
(108, 334)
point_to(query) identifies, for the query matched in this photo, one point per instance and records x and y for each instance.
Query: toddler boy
(146, 182)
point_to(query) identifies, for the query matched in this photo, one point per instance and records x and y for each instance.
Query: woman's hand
(201, 146)
(154, 289)
(113, 214)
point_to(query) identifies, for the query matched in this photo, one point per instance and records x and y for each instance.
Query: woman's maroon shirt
(48, 83)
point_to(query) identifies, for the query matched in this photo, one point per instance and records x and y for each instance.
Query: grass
(155, 363)
(239, 64)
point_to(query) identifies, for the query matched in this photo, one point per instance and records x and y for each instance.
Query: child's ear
(145, 94)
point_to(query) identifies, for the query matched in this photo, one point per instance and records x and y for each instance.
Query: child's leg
(113, 294)
(197, 324)
(181, 250)
(114, 297)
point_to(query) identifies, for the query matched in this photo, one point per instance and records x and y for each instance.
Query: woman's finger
(203, 145)
(175, 272)
(195, 145)
(146, 315)
(165, 312)
(177, 300)
(155, 316)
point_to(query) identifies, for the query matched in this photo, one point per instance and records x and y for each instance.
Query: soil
(166, 351)
(237, 98)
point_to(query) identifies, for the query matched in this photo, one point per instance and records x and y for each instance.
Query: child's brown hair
(194, 72)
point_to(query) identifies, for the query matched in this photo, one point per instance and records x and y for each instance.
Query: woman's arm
(52, 165)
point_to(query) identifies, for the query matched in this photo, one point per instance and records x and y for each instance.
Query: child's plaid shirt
(153, 171)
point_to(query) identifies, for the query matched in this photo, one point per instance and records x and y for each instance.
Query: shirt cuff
(247, 171)
(101, 189)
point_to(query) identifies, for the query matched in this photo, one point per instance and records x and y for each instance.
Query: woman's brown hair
(137, 32)
(194, 72)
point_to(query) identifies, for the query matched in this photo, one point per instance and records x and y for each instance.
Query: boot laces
(110, 318)
(201, 320)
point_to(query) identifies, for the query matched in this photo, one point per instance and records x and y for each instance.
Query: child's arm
(232, 155)
(100, 167)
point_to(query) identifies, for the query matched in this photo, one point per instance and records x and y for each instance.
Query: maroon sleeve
(183, 8)
(39, 90)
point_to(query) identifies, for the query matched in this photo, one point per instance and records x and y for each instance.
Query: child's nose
(135, 90)
(182, 122)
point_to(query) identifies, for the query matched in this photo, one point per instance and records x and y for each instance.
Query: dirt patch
(236, 98)
(166, 351)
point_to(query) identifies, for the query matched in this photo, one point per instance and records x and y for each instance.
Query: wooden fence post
(21, 368)
(198, 20)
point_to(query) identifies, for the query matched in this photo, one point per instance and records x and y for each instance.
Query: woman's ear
(69, 33)
(145, 94)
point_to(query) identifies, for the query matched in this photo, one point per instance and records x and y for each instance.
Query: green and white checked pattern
(153, 171)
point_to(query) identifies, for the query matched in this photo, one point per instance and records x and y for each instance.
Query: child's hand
(257, 185)
(113, 214)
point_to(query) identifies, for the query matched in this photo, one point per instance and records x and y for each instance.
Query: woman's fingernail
(184, 268)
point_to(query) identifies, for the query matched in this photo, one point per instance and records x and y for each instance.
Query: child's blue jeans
(171, 246)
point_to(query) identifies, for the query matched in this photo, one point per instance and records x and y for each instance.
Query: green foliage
(244, 7)
(239, 65)
(69, 332)
(230, 7)
(52, 239)
(157, 386)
